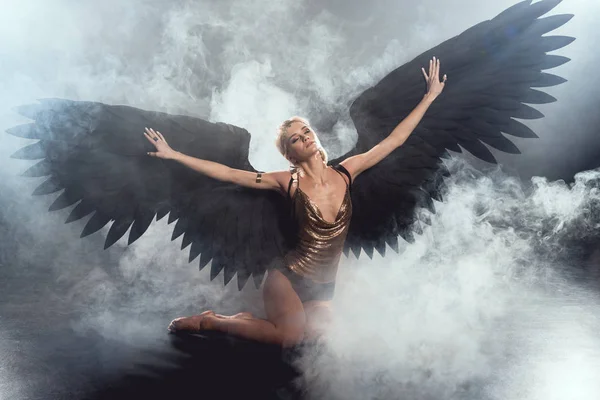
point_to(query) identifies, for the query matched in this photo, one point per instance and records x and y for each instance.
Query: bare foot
(196, 323)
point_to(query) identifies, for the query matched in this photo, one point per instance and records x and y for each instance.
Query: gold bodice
(319, 243)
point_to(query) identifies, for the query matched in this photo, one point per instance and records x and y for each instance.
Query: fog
(480, 306)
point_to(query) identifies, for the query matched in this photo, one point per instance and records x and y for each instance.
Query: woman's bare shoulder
(283, 178)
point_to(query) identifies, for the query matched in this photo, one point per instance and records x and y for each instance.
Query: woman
(297, 296)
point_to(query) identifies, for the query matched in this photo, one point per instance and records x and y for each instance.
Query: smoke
(478, 298)
(477, 308)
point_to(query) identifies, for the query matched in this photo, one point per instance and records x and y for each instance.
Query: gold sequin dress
(313, 262)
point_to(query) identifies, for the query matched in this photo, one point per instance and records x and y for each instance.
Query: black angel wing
(492, 68)
(96, 154)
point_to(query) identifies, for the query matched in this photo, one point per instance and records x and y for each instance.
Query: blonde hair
(282, 143)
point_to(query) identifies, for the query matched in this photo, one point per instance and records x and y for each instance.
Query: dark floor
(43, 358)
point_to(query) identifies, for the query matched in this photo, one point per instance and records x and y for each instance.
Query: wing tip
(108, 243)
(241, 282)
(14, 131)
(84, 233)
(15, 156)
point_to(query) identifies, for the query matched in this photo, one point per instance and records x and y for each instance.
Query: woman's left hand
(434, 86)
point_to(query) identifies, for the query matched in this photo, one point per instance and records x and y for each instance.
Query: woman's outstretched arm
(361, 162)
(267, 180)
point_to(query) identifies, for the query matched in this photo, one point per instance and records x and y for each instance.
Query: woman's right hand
(434, 86)
(163, 150)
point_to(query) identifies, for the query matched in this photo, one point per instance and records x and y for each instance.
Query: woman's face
(301, 143)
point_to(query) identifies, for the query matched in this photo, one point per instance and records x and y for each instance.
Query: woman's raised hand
(163, 150)
(434, 86)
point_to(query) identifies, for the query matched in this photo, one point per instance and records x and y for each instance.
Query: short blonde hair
(281, 137)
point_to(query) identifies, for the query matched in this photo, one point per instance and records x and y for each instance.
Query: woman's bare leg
(319, 317)
(242, 315)
(284, 325)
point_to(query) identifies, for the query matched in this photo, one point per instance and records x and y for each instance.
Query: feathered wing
(492, 69)
(96, 154)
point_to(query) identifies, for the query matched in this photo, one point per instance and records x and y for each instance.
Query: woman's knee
(319, 318)
(292, 335)
(290, 327)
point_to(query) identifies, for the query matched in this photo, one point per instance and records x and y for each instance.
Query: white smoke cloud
(471, 309)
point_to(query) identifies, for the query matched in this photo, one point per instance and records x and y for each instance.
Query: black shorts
(307, 289)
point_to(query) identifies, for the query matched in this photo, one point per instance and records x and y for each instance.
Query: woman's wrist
(429, 98)
(175, 155)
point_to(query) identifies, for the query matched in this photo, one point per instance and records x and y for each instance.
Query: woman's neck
(315, 169)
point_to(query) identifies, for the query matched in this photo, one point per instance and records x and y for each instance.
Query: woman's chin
(310, 153)
(315, 154)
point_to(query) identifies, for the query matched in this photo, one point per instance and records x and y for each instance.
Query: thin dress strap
(340, 167)
(292, 180)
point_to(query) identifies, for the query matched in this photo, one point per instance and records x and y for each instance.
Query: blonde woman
(298, 294)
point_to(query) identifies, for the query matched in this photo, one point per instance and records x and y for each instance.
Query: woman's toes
(173, 325)
(195, 323)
